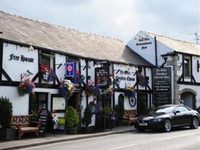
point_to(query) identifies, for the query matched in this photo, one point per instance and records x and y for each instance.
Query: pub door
(142, 103)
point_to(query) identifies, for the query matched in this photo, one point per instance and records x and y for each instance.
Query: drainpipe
(175, 68)
(156, 52)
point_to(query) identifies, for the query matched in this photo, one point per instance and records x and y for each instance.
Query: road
(181, 139)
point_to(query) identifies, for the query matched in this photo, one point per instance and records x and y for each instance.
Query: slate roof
(177, 45)
(69, 41)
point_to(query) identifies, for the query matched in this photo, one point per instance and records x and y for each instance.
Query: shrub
(5, 112)
(71, 118)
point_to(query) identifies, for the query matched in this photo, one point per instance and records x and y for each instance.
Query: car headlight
(157, 120)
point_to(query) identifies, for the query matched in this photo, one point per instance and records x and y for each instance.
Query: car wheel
(167, 125)
(195, 123)
(141, 129)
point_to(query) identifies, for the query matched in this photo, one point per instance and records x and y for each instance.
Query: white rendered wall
(145, 50)
(126, 102)
(61, 71)
(144, 45)
(20, 103)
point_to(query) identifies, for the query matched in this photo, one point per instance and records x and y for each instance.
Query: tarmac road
(181, 139)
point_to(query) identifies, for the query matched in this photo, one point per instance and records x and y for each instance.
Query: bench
(23, 125)
(129, 116)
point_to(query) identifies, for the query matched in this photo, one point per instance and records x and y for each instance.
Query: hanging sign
(102, 76)
(71, 69)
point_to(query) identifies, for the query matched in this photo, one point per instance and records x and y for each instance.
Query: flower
(46, 73)
(66, 87)
(26, 86)
(44, 69)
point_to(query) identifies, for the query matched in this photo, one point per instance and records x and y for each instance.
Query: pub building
(39, 61)
(176, 76)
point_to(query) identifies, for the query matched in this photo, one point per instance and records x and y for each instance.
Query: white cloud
(115, 18)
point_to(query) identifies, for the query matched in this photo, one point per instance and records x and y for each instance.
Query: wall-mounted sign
(58, 103)
(162, 85)
(143, 41)
(102, 76)
(21, 58)
(17, 60)
(125, 75)
(71, 69)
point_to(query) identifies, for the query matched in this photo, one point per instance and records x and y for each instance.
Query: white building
(27, 47)
(182, 57)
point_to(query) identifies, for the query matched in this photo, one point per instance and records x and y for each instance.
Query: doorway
(189, 99)
(142, 104)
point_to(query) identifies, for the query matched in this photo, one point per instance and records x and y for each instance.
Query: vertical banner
(71, 69)
(102, 77)
(162, 86)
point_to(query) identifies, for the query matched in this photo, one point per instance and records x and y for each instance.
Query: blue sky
(120, 19)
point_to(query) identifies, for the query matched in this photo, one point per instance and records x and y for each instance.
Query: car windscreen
(165, 110)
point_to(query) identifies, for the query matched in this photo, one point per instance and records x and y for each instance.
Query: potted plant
(71, 120)
(107, 111)
(6, 132)
(87, 119)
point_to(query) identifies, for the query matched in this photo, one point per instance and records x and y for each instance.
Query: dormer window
(187, 66)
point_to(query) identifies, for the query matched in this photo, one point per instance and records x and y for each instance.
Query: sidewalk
(5, 145)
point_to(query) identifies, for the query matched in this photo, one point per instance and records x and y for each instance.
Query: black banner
(162, 86)
(102, 77)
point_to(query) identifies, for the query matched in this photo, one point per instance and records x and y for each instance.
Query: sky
(120, 19)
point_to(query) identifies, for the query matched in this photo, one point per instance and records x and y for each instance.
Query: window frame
(187, 66)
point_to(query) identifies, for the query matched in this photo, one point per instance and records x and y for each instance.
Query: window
(181, 109)
(37, 101)
(187, 67)
(45, 60)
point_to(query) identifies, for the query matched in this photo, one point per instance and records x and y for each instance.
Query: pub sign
(102, 77)
(71, 69)
(162, 86)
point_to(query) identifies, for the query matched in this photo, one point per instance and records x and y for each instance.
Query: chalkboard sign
(162, 85)
(43, 116)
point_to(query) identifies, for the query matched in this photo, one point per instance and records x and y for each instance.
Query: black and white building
(44, 55)
(177, 67)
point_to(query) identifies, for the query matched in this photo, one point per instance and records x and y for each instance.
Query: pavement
(50, 138)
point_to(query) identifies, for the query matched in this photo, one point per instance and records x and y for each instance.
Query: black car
(168, 116)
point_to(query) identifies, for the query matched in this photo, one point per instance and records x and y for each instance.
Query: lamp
(30, 48)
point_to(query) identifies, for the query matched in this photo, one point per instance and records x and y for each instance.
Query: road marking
(159, 140)
(58, 143)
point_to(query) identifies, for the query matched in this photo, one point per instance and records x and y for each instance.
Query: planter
(100, 122)
(7, 134)
(86, 130)
(73, 130)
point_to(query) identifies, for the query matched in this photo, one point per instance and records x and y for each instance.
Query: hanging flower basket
(129, 91)
(90, 89)
(109, 91)
(66, 88)
(26, 87)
